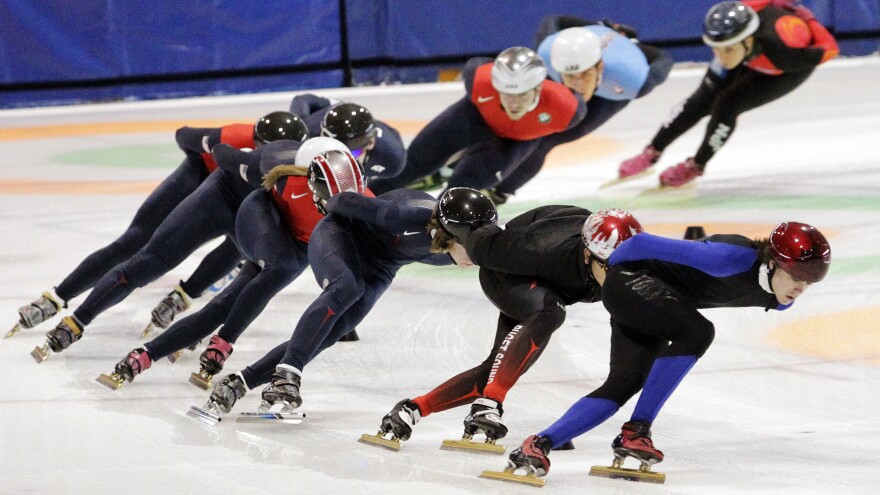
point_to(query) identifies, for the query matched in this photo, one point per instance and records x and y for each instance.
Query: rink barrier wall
(109, 50)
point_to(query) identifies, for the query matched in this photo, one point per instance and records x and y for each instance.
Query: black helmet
(333, 172)
(728, 23)
(350, 123)
(280, 125)
(462, 210)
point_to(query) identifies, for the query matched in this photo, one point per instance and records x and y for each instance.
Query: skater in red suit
(508, 108)
(764, 49)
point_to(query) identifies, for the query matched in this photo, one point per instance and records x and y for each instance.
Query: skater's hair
(442, 241)
(280, 171)
(763, 247)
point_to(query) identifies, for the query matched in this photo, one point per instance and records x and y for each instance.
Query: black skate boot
(399, 422)
(497, 197)
(131, 366)
(485, 418)
(634, 441)
(37, 312)
(212, 360)
(59, 338)
(283, 390)
(222, 399)
(351, 336)
(177, 301)
(530, 457)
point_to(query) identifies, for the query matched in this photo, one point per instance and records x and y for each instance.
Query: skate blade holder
(15, 330)
(41, 352)
(201, 379)
(509, 474)
(270, 417)
(622, 180)
(468, 445)
(174, 356)
(204, 415)
(379, 440)
(112, 381)
(147, 331)
(617, 471)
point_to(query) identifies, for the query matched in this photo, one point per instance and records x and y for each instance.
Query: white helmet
(314, 147)
(517, 70)
(575, 50)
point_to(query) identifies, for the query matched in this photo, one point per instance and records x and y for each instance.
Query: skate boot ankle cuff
(489, 404)
(288, 369)
(240, 378)
(141, 358)
(55, 299)
(638, 428)
(181, 299)
(544, 443)
(220, 345)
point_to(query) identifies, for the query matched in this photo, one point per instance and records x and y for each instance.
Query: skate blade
(471, 446)
(622, 180)
(270, 417)
(41, 353)
(627, 474)
(201, 381)
(112, 381)
(203, 415)
(687, 188)
(380, 441)
(15, 330)
(147, 331)
(174, 356)
(526, 479)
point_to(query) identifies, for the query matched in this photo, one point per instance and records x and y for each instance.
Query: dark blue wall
(58, 52)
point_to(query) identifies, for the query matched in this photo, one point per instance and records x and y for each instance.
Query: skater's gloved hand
(626, 30)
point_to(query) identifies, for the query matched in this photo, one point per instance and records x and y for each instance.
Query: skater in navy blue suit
(207, 213)
(376, 145)
(196, 143)
(273, 228)
(355, 253)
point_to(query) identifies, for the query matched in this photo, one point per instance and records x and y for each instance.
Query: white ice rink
(783, 403)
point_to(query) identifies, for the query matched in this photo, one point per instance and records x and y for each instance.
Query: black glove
(628, 31)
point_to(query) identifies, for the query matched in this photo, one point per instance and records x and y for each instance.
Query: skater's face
(517, 106)
(786, 287)
(733, 55)
(598, 270)
(460, 256)
(585, 82)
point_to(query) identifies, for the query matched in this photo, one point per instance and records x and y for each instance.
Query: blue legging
(488, 159)
(352, 283)
(158, 205)
(207, 213)
(275, 259)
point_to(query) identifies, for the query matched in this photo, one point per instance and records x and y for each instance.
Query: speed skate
(509, 474)
(617, 471)
(468, 444)
(281, 412)
(379, 440)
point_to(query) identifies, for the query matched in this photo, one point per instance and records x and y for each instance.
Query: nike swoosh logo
(297, 196)
(484, 99)
(410, 233)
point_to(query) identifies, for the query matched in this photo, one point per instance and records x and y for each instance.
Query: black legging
(724, 99)
(649, 319)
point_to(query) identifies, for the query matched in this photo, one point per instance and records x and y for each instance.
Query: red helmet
(606, 229)
(801, 251)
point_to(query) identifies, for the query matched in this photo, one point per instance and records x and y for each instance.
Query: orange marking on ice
(104, 128)
(12, 186)
(843, 336)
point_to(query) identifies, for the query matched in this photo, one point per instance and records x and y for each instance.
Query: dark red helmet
(604, 230)
(333, 172)
(801, 251)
